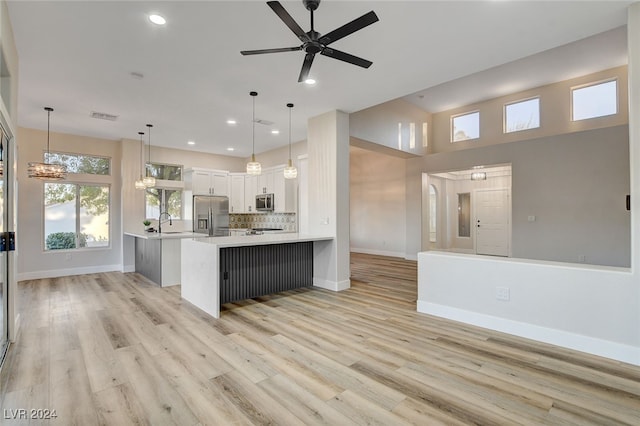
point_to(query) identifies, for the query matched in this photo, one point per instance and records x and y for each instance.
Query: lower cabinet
(158, 260)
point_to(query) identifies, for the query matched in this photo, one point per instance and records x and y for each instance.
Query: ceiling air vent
(265, 122)
(103, 116)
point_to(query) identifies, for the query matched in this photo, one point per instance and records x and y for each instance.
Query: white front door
(492, 222)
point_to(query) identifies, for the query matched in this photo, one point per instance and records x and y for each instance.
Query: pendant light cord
(253, 122)
(48, 109)
(141, 153)
(290, 107)
(149, 126)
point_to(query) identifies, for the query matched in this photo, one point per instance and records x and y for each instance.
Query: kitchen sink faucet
(160, 221)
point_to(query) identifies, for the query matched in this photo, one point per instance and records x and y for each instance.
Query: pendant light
(290, 172)
(47, 171)
(253, 167)
(148, 180)
(140, 182)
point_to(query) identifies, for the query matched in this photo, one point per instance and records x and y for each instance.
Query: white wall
(33, 261)
(328, 145)
(377, 207)
(591, 309)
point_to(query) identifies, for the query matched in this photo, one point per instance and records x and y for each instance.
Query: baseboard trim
(331, 285)
(604, 348)
(378, 252)
(128, 268)
(54, 273)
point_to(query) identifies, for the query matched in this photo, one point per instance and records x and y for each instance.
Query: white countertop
(254, 240)
(164, 235)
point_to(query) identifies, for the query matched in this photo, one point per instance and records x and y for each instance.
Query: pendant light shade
(140, 182)
(47, 171)
(290, 172)
(253, 167)
(149, 181)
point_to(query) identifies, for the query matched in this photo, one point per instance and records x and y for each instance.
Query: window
(464, 215)
(81, 164)
(522, 115)
(159, 200)
(164, 171)
(594, 100)
(75, 216)
(433, 213)
(465, 127)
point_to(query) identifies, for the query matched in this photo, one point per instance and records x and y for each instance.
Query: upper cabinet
(237, 198)
(207, 182)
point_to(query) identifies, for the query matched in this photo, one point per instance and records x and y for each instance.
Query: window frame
(592, 84)
(76, 154)
(504, 115)
(451, 131)
(163, 201)
(77, 185)
(148, 164)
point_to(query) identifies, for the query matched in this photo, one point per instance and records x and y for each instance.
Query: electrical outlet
(502, 293)
(67, 256)
(582, 258)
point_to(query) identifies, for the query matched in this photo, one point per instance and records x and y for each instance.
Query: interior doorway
(469, 209)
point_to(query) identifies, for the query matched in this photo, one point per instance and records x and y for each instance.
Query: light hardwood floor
(114, 349)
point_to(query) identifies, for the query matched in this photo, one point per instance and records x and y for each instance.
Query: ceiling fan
(313, 42)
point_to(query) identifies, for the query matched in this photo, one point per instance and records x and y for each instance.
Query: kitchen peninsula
(217, 270)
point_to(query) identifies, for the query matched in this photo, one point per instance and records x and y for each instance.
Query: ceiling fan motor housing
(311, 4)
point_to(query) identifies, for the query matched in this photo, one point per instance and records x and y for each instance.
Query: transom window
(465, 126)
(76, 216)
(80, 163)
(522, 115)
(165, 171)
(594, 100)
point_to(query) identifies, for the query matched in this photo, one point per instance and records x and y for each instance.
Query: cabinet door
(250, 192)
(219, 184)
(265, 182)
(278, 190)
(237, 203)
(201, 183)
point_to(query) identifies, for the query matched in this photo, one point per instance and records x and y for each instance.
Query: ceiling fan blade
(261, 51)
(346, 57)
(349, 28)
(288, 20)
(306, 66)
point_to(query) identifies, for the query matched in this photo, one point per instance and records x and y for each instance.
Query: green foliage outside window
(65, 240)
(82, 164)
(164, 171)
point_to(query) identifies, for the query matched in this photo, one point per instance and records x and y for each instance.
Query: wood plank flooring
(115, 349)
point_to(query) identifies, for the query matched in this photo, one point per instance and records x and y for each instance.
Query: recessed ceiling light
(157, 19)
(310, 81)
(231, 121)
(230, 149)
(275, 132)
(191, 143)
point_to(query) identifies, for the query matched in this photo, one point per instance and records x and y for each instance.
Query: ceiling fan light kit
(313, 42)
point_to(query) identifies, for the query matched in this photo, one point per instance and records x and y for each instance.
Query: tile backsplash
(286, 221)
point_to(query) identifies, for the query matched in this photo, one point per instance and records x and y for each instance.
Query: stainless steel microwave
(264, 202)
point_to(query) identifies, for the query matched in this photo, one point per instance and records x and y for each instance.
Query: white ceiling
(78, 56)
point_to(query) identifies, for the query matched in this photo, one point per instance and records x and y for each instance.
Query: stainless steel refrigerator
(211, 215)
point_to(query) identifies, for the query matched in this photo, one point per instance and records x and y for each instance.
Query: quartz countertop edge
(264, 239)
(164, 235)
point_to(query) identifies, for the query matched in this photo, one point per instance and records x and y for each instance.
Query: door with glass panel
(6, 243)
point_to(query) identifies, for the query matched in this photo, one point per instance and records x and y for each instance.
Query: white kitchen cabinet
(237, 197)
(284, 191)
(207, 182)
(250, 192)
(265, 182)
